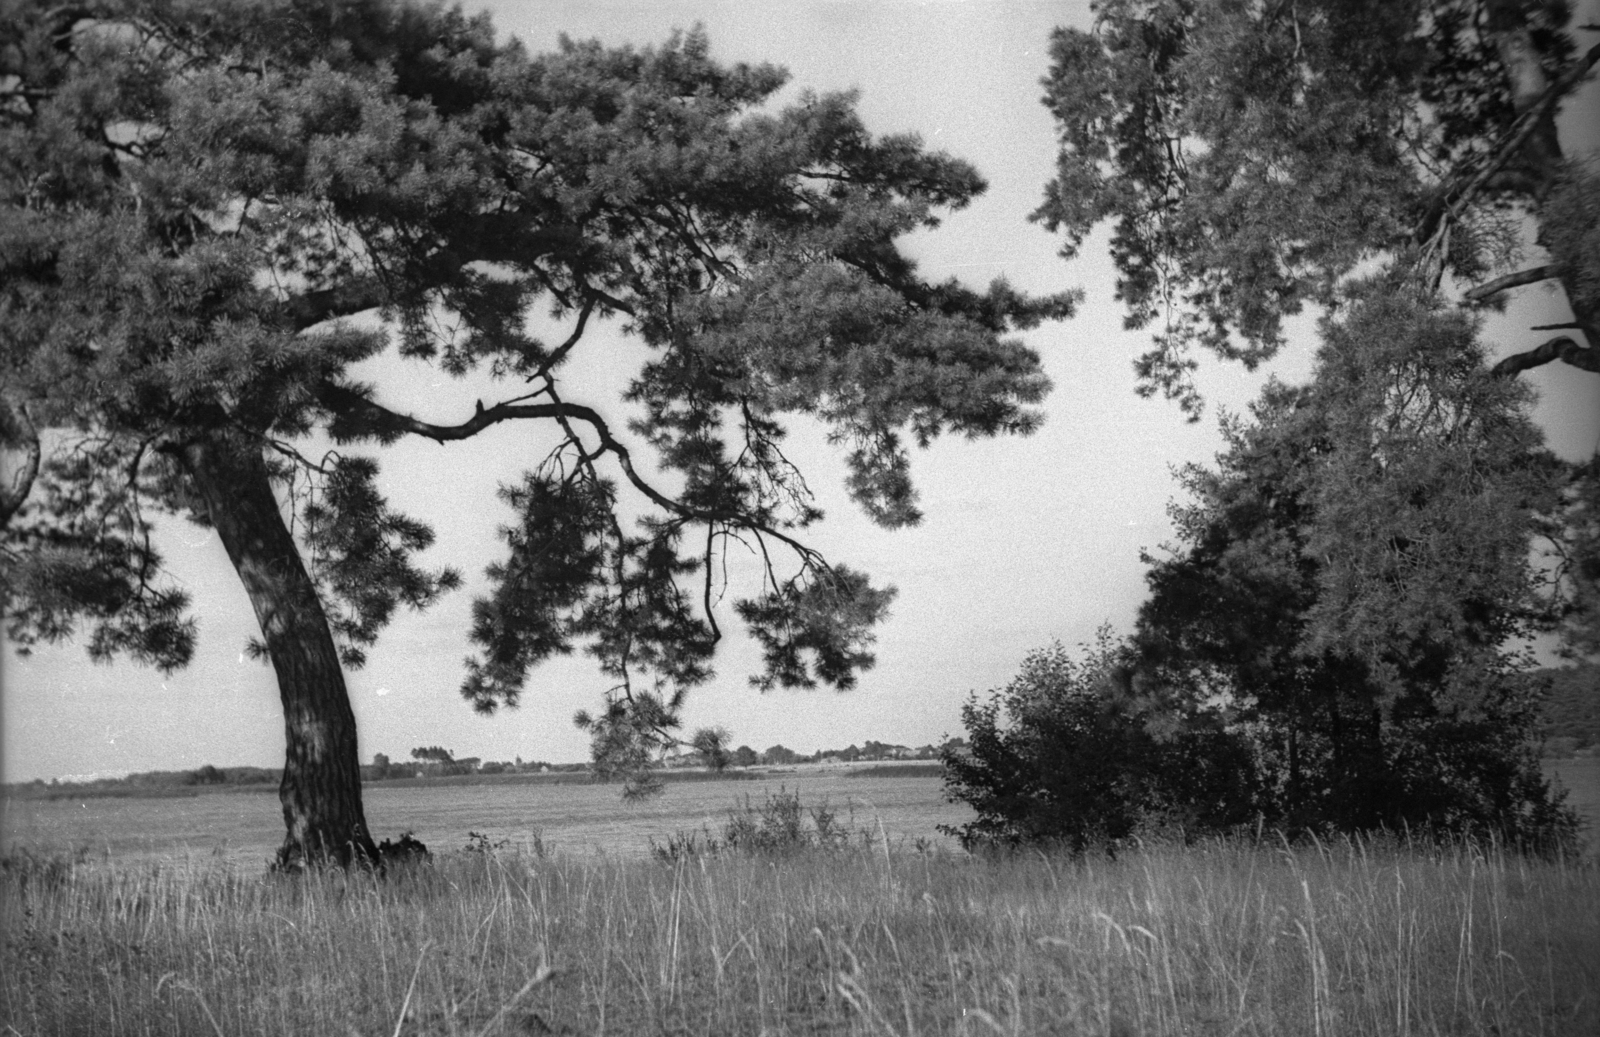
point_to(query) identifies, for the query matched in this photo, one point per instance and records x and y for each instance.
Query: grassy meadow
(802, 931)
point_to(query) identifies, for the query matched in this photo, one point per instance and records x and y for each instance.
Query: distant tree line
(434, 761)
(154, 782)
(869, 751)
(437, 762)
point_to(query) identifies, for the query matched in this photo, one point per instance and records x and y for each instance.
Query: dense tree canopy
(1255, 158)
(201, 197)
(1331, 643)
(1258, 157)
(1352, 582)
(1251, 155)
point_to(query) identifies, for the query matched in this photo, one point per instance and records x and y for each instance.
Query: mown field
(866, 928)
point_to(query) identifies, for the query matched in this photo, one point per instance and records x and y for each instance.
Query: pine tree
(199, 197)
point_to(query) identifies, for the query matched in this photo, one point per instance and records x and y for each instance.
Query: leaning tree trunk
(321, 788)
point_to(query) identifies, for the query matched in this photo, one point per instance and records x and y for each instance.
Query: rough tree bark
(19, 455)
(321, 788)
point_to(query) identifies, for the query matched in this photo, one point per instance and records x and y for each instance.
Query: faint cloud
(383, 691)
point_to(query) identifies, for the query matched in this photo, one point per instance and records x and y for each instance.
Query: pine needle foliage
(212, 211)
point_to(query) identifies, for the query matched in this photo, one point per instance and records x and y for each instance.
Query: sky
(1025, 541)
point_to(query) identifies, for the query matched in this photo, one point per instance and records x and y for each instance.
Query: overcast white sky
(1025, 541)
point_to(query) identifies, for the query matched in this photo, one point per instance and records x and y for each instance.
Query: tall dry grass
(1223, 938)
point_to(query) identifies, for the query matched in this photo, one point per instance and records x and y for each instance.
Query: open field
(1222, 939)
(245, 827)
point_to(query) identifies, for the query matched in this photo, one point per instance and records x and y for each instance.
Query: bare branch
(300, 460)
(711, 616)
(562, 350)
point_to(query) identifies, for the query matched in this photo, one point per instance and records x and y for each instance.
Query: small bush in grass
(477, 842)
(1057, 758)
(779, 825)
(25, 867)
(408, 849)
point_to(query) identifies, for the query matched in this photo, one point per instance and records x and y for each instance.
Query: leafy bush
(477, 842)
(1080, 753)
(777, 826)
(1060, 755)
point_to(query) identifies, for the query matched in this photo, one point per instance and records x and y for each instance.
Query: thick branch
(366, 418)
(1532, 275)
(711, 615)
(1561, 348)
(1450, 205)
(369, 418)
(382, 422)
(343, 300)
